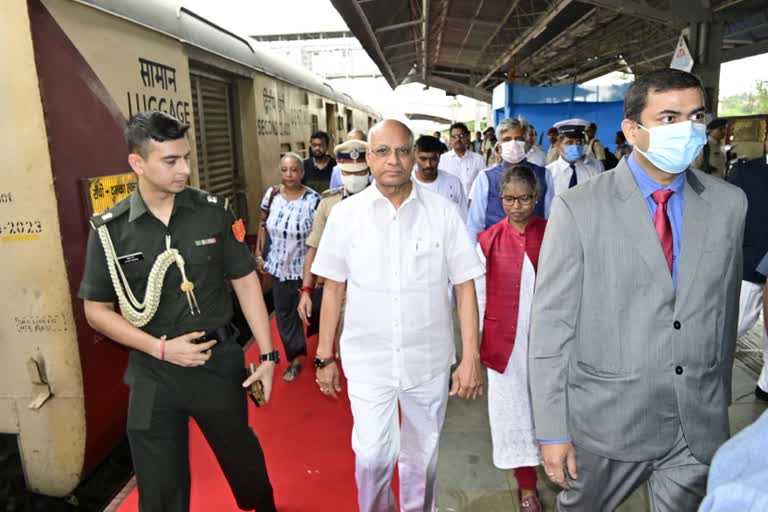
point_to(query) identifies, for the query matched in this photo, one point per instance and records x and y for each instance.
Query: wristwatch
(270, 356)
(322, 363)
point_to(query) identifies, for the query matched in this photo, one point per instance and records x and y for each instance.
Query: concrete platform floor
(468, 481)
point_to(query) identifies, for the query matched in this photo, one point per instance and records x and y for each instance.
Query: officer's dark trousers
(285, 295)
(163, 398)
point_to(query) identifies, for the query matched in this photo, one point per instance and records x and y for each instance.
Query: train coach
(76, 70)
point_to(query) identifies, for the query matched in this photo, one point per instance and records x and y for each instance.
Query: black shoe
(760, 394)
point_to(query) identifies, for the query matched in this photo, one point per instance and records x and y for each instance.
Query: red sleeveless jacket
(504, 248)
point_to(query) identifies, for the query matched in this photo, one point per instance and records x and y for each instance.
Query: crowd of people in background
(602, 290)
(504, 187)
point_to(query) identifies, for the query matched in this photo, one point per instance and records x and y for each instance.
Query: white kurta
(509, 400)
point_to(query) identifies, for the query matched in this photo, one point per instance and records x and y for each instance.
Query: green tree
(746, 103)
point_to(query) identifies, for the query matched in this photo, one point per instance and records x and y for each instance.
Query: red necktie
(662, 224)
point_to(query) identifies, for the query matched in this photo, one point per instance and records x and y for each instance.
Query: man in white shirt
(427, 174)
(396, 246)
(573, 166)
(535, 155)
(459, 161)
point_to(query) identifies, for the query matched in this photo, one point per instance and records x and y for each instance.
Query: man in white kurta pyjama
(396, 246)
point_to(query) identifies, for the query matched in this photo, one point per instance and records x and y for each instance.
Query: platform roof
(469, 46)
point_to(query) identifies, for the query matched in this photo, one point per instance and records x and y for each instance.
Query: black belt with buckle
(221, 334)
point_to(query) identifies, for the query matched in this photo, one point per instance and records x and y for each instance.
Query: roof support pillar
(706, 41)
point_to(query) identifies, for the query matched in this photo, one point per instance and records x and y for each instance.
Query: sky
(266, 17)
(740, 75)
(251, 17)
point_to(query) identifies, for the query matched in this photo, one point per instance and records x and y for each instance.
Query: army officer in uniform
(177, 249)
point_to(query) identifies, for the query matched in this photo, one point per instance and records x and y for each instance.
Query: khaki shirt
(595, 149)
(486, 150)
(328, 200)
(201, 229)
(552, 154)
(717, 162)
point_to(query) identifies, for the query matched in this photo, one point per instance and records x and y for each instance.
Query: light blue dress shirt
(739, 472)
(336, 180)
(478, 197)
(674, 206)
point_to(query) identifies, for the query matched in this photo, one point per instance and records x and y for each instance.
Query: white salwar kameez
(509, 401)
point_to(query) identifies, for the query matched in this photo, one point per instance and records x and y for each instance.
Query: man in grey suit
(634, 315)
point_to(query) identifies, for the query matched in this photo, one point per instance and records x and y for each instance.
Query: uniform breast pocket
(137, 271)
(204, 251)
(203, 258)
(421, 261)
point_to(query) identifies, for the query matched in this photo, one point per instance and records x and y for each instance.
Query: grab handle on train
(36, 371)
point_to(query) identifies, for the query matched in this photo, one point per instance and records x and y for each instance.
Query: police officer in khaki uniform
(350, 156)
(712, 158)
(167, 254)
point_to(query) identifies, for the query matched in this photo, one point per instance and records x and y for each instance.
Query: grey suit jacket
(618, 357)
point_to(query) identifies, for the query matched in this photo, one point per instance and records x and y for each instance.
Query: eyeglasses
(386, 151)
(459, 136)
(524, 200)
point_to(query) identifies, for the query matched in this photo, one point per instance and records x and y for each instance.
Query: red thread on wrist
(307, 289)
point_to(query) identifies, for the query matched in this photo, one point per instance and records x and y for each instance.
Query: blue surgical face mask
(672, 147)
(573, 152)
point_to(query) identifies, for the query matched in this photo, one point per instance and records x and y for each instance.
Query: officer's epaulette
(203, 197)
(116, 211)
(332, 192)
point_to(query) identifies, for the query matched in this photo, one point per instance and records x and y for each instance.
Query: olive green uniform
(163, 396)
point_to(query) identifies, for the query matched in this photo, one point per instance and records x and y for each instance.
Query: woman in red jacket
(510, 249)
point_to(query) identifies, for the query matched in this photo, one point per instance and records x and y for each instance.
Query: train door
(212, 100)
(330, 123)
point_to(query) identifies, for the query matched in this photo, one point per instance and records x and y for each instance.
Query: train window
(301, 148)
(340, 123)
(306, 98)
(315, 123)
(212, 104)
(284, 148)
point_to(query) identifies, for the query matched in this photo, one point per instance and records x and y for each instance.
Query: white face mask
(513, 151)
(355, 184)
(672, 147)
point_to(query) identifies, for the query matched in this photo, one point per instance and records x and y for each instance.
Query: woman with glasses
(287, 212)
(510, 250)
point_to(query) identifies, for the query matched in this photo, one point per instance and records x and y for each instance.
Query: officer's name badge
(130, 258)
(206, 241)
(238, 229)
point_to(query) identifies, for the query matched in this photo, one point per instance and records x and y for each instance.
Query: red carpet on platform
(307, 443)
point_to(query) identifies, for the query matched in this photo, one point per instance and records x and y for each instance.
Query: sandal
(531, 503)
(292, 372)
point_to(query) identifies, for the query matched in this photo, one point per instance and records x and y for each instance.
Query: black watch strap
(322, 363)
(270, 356)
